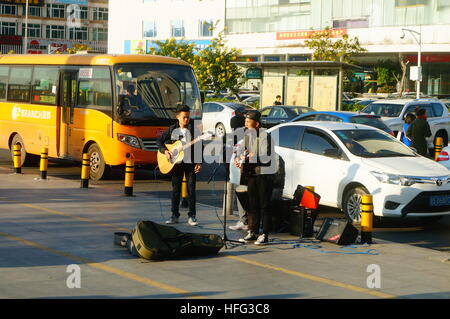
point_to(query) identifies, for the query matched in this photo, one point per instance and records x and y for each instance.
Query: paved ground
(45, 226)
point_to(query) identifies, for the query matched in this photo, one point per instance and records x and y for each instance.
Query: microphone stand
(227, 177)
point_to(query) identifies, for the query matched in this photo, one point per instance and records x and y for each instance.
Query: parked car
(273, 115)
(392, 112)
(346, 117)
(251, 100)
(217, 115)
(363, 101)
(345, 161)
(444, 157)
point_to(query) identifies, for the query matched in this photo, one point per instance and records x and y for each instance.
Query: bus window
(44, 88)
(19, 84)
(4, 70)
(95, 89)
(149, 92)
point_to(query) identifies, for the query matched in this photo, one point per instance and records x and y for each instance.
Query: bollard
(184, 192)
(17, 157)
(438, 147)
(85, 170)
(129, 177)
(366, 219)
(43, 167)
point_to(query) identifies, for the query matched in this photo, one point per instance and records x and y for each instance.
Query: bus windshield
(151, 92)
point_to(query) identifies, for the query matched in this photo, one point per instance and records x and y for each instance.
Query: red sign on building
(11, 39)
(293, 35)
(436, 58)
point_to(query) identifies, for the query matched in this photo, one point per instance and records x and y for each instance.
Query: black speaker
(338, 231)
(301, 221)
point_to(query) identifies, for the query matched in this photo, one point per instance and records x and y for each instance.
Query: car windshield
(372, 143)
(371, 121)
(152, 92)
(384, 109)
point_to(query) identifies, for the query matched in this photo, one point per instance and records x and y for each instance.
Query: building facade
(136, 24)
(275, 30)
(53, 25)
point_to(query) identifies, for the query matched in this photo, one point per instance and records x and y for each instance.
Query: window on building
(350, 23)
(177, 28)
(34, 30)
(4, 71)
(95, 91)
(56, 32)
(44, 85)
(100, 14)
(35, 11)
(100, 34)
(56, 11)
(8, 9)
(78, 33)
(84, 13)
(410, 3)
(149, 29)
(8, 28)
(205, 28)
(19, 84)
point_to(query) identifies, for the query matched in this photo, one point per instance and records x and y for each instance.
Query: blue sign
(85, 2)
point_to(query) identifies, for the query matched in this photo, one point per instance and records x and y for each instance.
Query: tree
(388, 75)
(77, 47)
(176, 49)
(326, 49)
(213, 65)
(215, 69)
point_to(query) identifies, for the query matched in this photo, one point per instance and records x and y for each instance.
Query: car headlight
(129, 140)
(393, 179)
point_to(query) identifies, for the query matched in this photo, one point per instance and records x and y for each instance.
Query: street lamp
(419, 56)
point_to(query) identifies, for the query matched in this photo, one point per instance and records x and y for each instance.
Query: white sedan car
(344, 161)
(217, 115)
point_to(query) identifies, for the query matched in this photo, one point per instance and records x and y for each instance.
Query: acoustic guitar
(177, 149)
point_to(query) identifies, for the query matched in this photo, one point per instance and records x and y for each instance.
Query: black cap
(253, 115)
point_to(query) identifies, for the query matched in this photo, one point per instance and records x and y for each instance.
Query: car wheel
(220, 130)
(99, 169)
(351, 203)
(26, 159)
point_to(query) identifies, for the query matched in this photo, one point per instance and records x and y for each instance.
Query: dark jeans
(259, 193)
(177, 178)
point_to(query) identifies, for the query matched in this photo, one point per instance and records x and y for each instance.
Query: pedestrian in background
(278, 100)
(418, 131)
(409, 118)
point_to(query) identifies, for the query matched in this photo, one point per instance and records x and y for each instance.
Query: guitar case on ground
(159, 242)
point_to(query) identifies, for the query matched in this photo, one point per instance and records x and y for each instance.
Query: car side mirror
(202, 97)
(333, 153)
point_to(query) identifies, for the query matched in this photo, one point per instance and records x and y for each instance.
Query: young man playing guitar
(182, 130)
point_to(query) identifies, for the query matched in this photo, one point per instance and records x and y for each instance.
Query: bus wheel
(98, 166)
(26, 159)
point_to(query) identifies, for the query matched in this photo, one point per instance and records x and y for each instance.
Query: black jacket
(168, 137)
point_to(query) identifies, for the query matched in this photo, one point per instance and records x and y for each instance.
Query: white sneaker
(262, 240)
(250, 236)
(239, 226)
(192, 221)
(172, 220)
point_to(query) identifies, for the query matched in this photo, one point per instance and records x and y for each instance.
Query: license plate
(442, 200)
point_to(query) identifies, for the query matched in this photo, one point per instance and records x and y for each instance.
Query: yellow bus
(113, 107)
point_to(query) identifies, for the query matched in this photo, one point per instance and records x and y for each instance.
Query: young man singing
(182, 130)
